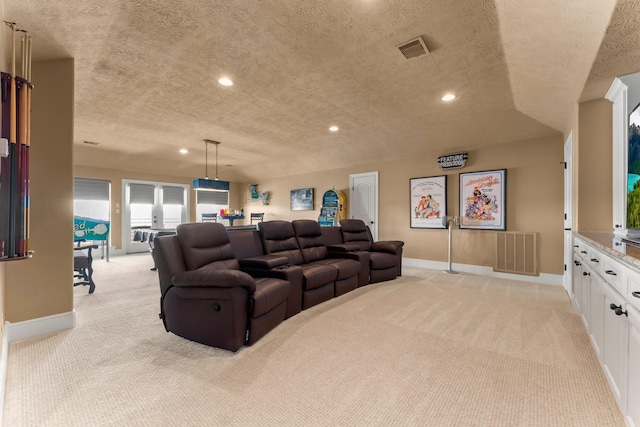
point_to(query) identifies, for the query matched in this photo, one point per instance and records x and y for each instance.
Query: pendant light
(206, 183)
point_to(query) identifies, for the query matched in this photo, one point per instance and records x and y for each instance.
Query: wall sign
(453, 161)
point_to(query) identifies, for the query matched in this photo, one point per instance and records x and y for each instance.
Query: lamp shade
(210, 184)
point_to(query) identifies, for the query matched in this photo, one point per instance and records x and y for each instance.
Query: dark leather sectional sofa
(226, 288)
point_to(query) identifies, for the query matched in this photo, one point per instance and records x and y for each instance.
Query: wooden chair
(82, 266)
(259, 217)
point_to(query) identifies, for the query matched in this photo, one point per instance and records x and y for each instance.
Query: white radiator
(516, 253)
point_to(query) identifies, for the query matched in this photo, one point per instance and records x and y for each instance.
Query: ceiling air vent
(413, 48)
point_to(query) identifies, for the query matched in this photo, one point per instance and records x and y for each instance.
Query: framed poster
(428, 201)
(302, 199)
(483, 200)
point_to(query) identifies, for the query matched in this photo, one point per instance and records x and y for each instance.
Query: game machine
(91, 230)
(333, 208)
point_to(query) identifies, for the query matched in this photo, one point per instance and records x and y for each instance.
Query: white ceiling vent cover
(413, 48)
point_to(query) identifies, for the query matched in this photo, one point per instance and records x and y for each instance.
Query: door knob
(619, 312)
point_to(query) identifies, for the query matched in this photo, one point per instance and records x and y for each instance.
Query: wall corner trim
(4, 356)
(543, 278)
(41, 326)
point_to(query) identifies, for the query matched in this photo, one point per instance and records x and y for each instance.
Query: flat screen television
(633, 171)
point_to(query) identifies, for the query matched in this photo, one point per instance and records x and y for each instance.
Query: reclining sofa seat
(318, 280)
(314, 252)
(385, 256)
(206, 298)
(247, 247)
(332, 238)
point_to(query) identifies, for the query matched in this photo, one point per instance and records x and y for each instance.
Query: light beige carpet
(428, 349)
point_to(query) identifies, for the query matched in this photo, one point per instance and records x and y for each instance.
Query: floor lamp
(449, 221)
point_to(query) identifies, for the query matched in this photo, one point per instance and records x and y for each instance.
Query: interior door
(363, 199)
(568, 213)
(148, 207)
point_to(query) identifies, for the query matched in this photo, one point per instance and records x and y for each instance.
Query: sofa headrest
(276, 230)
(353, 225)
(203, 235)
(205, 243)
(306, 228)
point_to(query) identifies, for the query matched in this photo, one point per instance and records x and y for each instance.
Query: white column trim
(41, 326)
(3, 367)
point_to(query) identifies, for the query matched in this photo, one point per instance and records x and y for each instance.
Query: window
(208, 201)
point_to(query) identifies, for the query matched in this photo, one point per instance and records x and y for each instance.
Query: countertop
(613, 245)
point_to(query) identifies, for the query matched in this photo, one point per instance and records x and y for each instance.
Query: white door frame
(373, 215)
(156, 211)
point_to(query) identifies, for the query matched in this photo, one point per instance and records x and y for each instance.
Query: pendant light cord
(206, 160)
(206, 157)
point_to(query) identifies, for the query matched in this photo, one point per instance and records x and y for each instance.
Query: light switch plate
(4, 147)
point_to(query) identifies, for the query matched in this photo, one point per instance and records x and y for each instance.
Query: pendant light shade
(206, 183)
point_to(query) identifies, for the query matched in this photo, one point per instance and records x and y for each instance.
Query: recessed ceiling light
(448, 97)
(334, 128)
(224, 81)
(183, 151)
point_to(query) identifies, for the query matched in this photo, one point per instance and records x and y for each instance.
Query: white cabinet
(596, 313)
(633, 374)
(577, 285)
(604, 295)
(614, 351)
(585, 293)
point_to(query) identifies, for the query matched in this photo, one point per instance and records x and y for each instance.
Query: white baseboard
(41, 326)
(3, 367)
(544, 278)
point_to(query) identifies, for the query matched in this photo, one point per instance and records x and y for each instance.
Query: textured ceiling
(146, 77)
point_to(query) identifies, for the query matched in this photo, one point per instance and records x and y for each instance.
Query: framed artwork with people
(483, 200)
(428, 197)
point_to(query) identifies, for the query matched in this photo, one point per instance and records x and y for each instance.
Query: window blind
(172, 195)
(142, 193)
(208, 197)
(90, 189)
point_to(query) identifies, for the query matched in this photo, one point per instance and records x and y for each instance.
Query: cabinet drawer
(633, 291)
(614, 273)
(583, 249)
(595, 260)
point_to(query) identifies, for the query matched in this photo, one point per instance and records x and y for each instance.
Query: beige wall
(41, 286)
(594, 160)
(534, 201)
(116, 177)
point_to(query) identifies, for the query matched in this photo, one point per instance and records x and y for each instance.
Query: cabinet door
(633, 387)
(596, 315)
(585, 304)
(615, 339)
(577, 285)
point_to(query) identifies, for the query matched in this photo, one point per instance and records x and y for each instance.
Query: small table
(231, 218)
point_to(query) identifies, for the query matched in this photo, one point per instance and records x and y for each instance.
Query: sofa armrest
(390, 246)
(265, 262)
(209, 278)
(343, 247)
